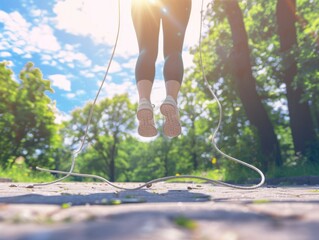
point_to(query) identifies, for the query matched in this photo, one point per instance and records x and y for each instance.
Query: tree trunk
(301, 124)
(112, 157)
(246, 87)
(193, 144)
(166, 149)
(166, 170)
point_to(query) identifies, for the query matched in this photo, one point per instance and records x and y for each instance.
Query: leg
(146, 20)
(175, 19)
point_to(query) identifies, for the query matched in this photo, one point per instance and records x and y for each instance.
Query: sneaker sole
(172, 126)
(146, 126)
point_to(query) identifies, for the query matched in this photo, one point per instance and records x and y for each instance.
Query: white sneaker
(172, 125)
(145, 116)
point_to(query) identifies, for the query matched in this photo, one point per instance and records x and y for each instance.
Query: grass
(239, 174)
(216, 174)
(295, 171)
(21, 173)
(298, 167)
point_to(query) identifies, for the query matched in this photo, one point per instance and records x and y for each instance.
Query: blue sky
(71, 42)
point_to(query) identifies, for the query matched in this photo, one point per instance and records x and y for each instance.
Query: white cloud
(42, 38)
(21, 33)
(110, 89)
(5, 54)
(87, 73)
(17, 50)
(193, 28)
(158, 92)
(75, 94)
(61, 116)
(187, 60)
(4, 45)
(46, 57)
(89, 18)
(70, 95)
(60, 81)
(10, 63)
(80, 92)
(53, 63)
(66, 56)
(28, 55)
(35, 12)
(26, 38)
(115, 67)
(125, 75)
(130, 64)
(14, 21)
(98, 70)
(98, 19)
(71, 65)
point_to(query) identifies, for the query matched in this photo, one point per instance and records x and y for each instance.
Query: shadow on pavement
(138, 196)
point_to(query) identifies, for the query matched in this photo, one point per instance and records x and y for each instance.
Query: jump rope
(148, 184)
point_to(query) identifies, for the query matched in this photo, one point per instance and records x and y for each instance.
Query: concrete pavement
(164, 211)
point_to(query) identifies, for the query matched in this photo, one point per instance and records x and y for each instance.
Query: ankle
(143, 100)
(171, 98)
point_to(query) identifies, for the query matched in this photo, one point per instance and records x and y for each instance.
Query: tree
(301, 123)
(8, 91)
(308, 55)
(199, 119)
(246, 86)
(28, 121)
(112, 121)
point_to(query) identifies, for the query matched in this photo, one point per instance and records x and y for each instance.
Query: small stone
(104, 201)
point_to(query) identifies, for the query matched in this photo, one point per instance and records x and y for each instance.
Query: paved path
(164, 211)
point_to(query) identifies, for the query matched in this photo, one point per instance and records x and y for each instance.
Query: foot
(172, 125)
(145, 117)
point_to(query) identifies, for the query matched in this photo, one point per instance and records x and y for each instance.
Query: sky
(71, 42)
